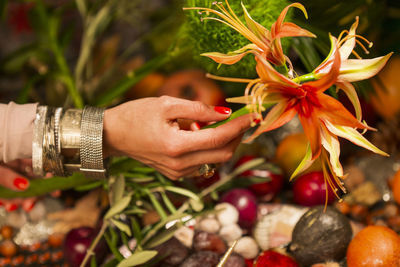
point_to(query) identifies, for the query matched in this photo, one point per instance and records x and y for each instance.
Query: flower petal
(259, 30)
(330, 75)
(353, 70)
(231, 57)
(305, 163)
(270, 98)
(268, 74)
(351, 93)
(333, 111)
(277, 26)
(332, 145)
(311, 127)
(276, 117)
(348, 46)
(290, 29)
(353, 136)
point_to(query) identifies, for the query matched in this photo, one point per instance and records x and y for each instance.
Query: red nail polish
(1, 203)
(11, 207)
(196, 125)
(21, 183)
(256, 121)
(222, 110)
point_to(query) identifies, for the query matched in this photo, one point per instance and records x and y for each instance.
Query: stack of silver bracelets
(68, 141)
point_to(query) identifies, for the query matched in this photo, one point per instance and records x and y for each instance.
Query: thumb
(194, 110)
(12, 180)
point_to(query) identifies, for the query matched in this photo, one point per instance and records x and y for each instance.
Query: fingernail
(222, 110)
(256, 121)
(1, 203)
(28, 205)
(11, 207)
(196, 125)
(21, 183)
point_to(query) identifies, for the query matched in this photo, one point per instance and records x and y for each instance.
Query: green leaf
(118, 207)
(136, 230)
(90, 186)
(196, 204)
(305, 48)
(143, 170)
(162, 237)
(138, 258)
(136, 211)
(156, 204)
(118, 189)
(168, 202)
(122, 226)
(182, 191)
(93, 262)
(39, 187)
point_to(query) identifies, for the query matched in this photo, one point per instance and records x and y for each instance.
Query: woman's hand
(147, 130)
(11, 177)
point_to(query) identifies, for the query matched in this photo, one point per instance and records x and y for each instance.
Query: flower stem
(305, 78)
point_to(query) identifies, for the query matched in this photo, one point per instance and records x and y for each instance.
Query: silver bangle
(37, 142)
(91, 143)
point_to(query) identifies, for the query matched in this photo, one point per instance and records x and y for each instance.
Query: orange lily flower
(323, 117)
(263, 41)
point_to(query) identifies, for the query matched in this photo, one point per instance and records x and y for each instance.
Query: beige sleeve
(16, 131)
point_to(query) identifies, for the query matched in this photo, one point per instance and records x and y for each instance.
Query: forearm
(16, 131)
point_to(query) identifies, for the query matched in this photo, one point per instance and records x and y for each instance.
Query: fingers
(12, 179)
(13, 204)
(176, 108)
(212, 138)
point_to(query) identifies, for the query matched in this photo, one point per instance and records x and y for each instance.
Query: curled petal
(333, 111)
(353, 136)
(232, 57)
(348, 46)
(351, 93)
(311, 127)
(322, 68)
(332, 145)
(277, 26)
(353, 70)
(305, 163)
(290, 29)
(276, 117)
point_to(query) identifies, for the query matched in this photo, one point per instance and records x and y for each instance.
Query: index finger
(212, 138)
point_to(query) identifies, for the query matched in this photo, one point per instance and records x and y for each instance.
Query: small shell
(227, 214)
(185, 235)
(246, 247)
(209, 225)
(275, 229)
(230, 232)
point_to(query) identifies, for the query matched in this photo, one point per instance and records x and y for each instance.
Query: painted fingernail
(11, 207)
(256, 121)
(222, 110)
(20, 183)
(28, 205)
(196, 125)
(1, 203)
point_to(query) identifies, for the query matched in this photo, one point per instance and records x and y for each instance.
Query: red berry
(268, 189)
(274, 259)
(310, 190)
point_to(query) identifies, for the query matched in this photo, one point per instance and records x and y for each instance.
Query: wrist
(109, 135)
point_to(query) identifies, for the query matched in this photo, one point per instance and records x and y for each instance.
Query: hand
(147, 130)
(11, 177)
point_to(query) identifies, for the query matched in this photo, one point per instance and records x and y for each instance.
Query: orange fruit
(374, 246)
(396, 187)
(386, 98)
(291, 151)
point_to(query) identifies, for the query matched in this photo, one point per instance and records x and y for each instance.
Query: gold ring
(207, 170)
